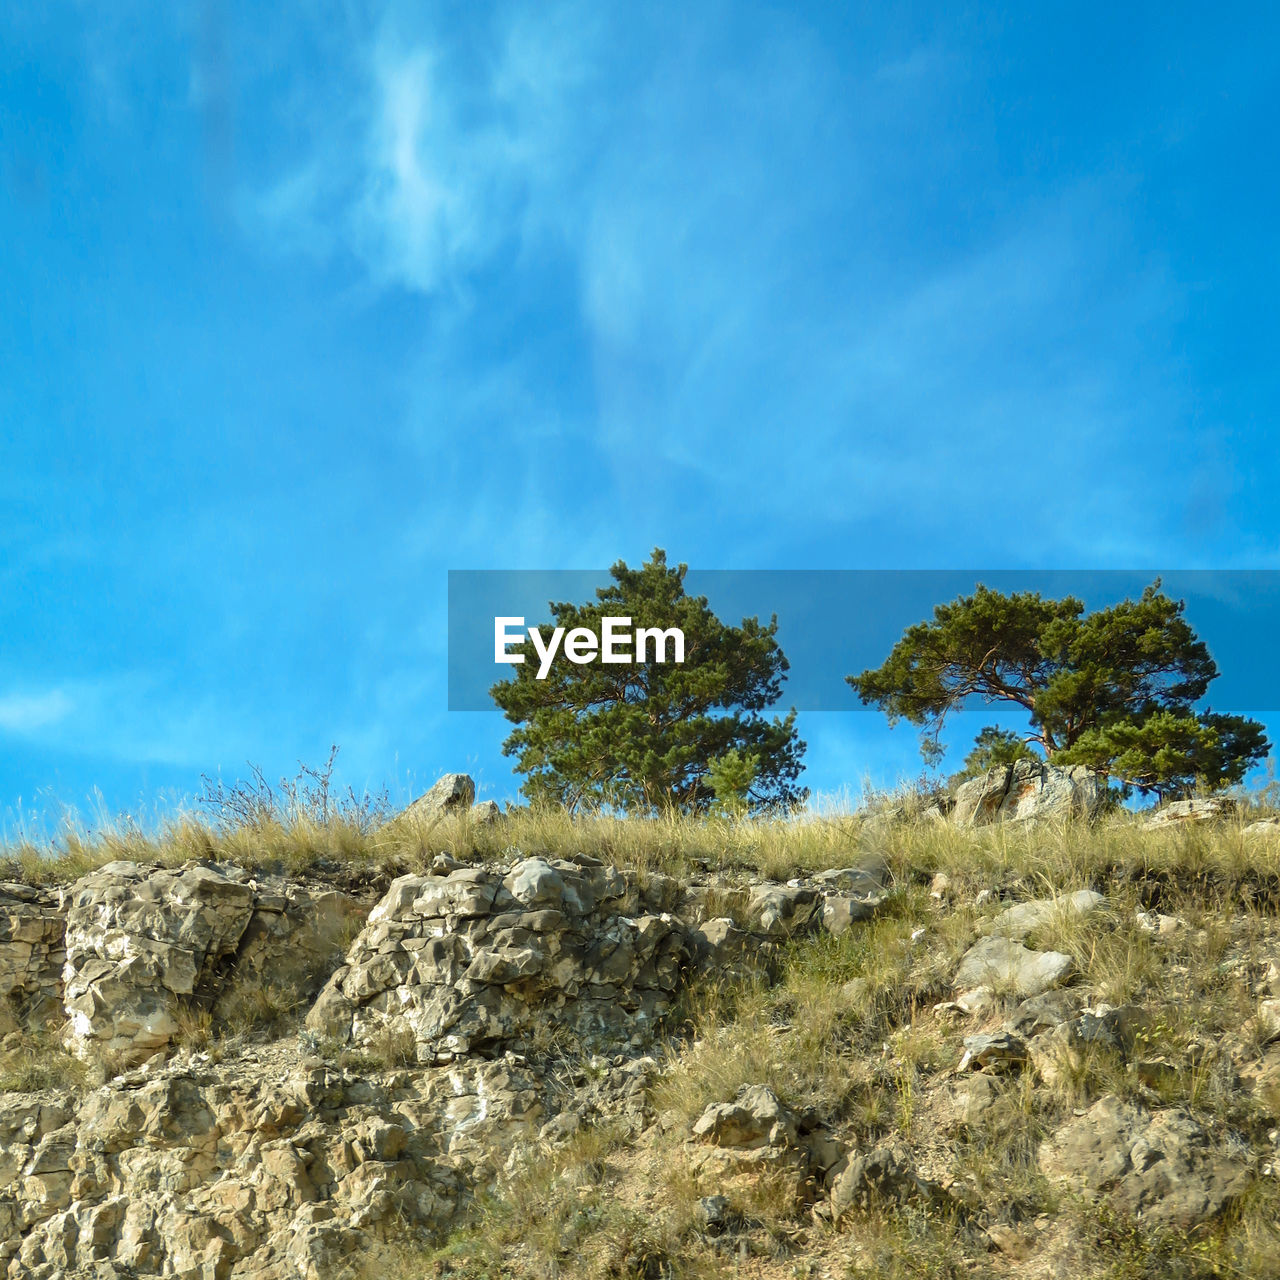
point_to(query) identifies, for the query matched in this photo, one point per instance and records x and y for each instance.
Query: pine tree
(644, 736)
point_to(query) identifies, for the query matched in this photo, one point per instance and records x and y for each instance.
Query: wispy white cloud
(25, 713)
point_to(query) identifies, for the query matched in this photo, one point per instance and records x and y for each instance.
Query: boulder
(1263, 828)
(1005, 964)
(1163, 1166)
(886, 1174)
(1025, 917)
(754, 1119)
(486, 812)
(758, 1130)
(1180, 813)
(452, 793)
(1028, 790)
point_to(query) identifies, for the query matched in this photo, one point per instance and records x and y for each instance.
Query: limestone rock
(839, 912)
(781, 911)
(868, 877)
(1028, 790)
(486, 812)
(757, 1130)
(294, 940)
(32, 952)
(1005, 964)
(477, 961)
(1025, 917)
(1182, 812)
(884, 1174)
(1262, 828)
(139, 944)
(1162, 1165)
(755, 1119)
(452, 793)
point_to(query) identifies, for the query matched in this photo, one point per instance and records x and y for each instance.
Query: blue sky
(306, 305)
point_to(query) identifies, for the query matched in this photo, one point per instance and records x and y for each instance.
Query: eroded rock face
(32, 952)
(1163, 1165)
(196, 1170)
(1028, 790)
(479, 961)
(143, 946)
(757, 1130)
(294, 940)
(140, 941)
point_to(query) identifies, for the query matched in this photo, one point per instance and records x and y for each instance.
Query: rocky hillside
(876, 1046)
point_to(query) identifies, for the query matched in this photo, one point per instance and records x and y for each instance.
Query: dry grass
(1219, 863)
(32, 1061)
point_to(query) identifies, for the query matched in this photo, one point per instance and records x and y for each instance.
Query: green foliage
(730, 778)
(642, 736)
(993, 747)
(1113, 689)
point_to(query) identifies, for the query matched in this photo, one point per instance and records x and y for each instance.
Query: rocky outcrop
(139, 944)
(147, 947)
(479, 1021)
(1028, 790)
(452, 793)
(32, 951)
(481, 960)
(1164, 1166)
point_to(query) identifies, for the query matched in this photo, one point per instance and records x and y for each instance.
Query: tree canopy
(1114, 689)
(652, 735)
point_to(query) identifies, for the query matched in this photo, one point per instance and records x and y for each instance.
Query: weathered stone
(32, 953)
(998, 1051)
(1002, 963)
(755, 1119)
(1179, 813)
(781, 911)
(486, 812)
(1163, 1166)
(866, 878)
(452, 793)
(1025, 917)
(1044, 1012)
(839, 913)
(1028, 790)
(1263, 828)
(885, 1174)
(477, 961)
(293, 942)
(141, 944)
